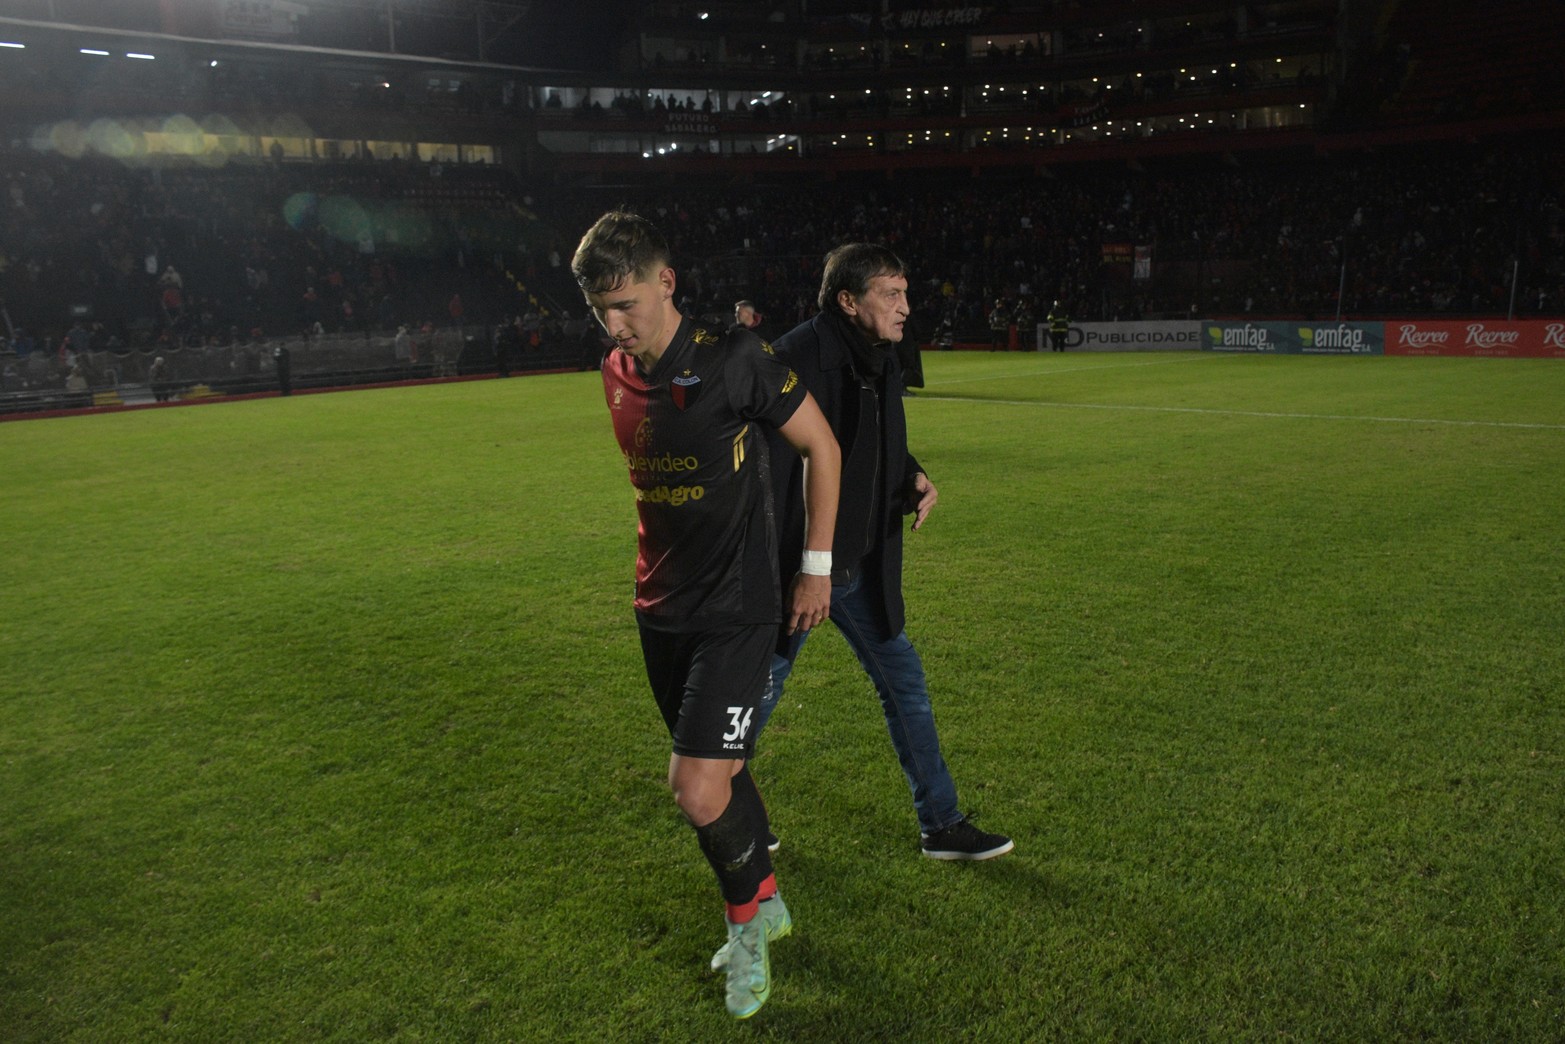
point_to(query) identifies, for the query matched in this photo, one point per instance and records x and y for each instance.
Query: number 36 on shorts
(740, 719)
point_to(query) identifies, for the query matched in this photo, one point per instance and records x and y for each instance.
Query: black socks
(735, 842)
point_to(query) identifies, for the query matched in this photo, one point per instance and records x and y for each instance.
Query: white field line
(1249, 413)
(1069, 369)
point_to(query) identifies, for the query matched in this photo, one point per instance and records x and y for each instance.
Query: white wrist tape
(816, 563)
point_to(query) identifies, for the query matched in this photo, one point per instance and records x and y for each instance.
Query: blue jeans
(893, 665)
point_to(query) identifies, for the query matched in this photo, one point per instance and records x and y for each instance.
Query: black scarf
(859, 512)
(869, 359)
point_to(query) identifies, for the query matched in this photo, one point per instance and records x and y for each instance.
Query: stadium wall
(1477, 338)
(1523, 339)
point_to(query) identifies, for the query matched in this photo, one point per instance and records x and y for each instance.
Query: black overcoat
(817, 350)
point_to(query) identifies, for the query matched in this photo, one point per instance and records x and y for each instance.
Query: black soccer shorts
(708, 684)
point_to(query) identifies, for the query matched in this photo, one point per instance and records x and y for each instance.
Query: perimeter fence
(53, 380)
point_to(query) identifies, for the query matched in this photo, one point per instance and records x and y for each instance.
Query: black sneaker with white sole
(772, 844)
(962, 840)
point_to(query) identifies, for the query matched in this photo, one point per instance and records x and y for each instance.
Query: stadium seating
(323, 245)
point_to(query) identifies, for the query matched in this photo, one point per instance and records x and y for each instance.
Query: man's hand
(926, 494)
(809, 602)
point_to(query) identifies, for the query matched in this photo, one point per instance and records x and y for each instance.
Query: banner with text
(1527, 339)
(1179, 335)
(1294, 338)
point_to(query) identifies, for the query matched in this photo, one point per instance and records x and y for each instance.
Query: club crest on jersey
(685, 388)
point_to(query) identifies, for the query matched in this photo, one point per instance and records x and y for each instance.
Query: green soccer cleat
(749, 968)
(778, 924)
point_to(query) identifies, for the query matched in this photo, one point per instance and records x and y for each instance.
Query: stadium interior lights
(13, 46)
(93, 51)
(141, 57)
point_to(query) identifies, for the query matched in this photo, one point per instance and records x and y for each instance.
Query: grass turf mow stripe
(323, 718)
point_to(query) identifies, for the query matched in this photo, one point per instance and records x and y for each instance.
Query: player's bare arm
(809, 597)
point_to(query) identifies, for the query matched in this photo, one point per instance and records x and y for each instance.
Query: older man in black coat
(846, 359)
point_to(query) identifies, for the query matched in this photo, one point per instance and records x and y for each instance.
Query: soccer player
(690, 407)
(846, 356)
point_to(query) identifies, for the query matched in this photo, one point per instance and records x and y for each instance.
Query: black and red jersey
(707, 546)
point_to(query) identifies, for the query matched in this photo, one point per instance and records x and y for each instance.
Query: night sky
(572, 34)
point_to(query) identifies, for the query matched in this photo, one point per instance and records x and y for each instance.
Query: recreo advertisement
(1496, 338)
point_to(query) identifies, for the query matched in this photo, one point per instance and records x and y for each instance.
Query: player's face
(881, 310)
(638, 314)
(744, 315)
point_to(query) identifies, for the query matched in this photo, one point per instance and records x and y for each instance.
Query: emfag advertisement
(1294, 338)
(1495, 338)
(1528, 339)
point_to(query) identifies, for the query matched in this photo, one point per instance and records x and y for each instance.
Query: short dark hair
(851, 266)
(619, 246)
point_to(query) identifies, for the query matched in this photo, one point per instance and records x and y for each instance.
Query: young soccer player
(689, 406)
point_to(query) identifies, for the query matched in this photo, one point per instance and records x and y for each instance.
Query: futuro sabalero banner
(1525, 339)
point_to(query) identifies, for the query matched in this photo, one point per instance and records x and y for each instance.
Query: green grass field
(323, 718)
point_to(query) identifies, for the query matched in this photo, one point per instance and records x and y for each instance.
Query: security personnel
(1059, 326)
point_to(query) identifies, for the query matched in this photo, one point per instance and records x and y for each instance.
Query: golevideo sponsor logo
(667, 463)
(1413, 337)
(1481, 336)
(673, 496)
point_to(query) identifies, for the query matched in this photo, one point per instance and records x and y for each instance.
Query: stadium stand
(320, 185)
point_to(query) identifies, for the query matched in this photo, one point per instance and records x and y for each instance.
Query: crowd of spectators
(138, 262)
(100, 258)
(1414, 231)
